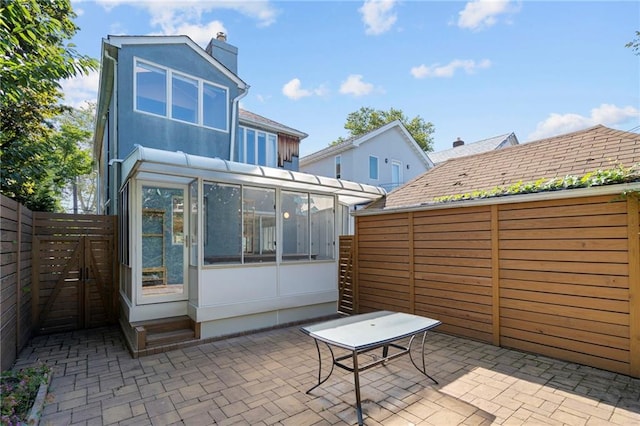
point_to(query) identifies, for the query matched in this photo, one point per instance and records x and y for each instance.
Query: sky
(474, 69)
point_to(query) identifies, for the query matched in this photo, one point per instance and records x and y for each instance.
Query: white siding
(390, 145)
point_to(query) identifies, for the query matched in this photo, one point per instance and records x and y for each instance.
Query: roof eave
(119, 41)
(265, 126)
(151, 160)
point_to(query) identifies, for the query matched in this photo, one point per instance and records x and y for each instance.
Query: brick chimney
(223, 52)
(458, 142)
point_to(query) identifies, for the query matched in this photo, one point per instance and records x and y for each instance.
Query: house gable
(574, 154)
(390, 146)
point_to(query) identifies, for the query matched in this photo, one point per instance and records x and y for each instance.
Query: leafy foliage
(33, 58)
(74, 147)
(635, 44)
(18, 390)
(32, 41)
(367, 119)
(616, 175)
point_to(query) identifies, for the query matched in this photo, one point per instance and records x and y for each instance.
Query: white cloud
(378, 16)
(293, 90)
(354, 85)
(201, 34)
(480, 14)
(171, 17)
(605, 114)
(437, 70)
(79, 90)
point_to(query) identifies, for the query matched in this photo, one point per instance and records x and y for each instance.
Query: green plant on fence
(616, 175)
(18, 390)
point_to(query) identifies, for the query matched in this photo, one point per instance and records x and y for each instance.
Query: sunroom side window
(321, 208)
(259, 224)
(222, 204)
(295, 225)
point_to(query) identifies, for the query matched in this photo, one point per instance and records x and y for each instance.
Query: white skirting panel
(258, 321)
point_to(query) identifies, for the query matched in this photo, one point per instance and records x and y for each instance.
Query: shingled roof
(574, 154)
(484, 145)
(268, 124)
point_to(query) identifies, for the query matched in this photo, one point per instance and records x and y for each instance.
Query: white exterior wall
(235, 299)
(390, 145)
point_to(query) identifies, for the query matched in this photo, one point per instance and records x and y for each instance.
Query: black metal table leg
(423, 370)
(333, 361)
(356, 380)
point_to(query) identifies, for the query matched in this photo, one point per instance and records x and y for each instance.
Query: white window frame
(338, 166)
(397, 163)
(377, 177)
(271, 151)
(169, 73)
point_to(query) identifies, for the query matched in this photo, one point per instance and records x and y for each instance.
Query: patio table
(364, 333)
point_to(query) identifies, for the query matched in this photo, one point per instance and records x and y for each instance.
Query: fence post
(412, 271)
(495, 274)
(633, 230)
(19, 280)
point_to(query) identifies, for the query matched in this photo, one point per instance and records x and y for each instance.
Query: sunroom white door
(163, 243)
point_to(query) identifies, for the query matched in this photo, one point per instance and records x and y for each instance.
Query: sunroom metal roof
(177, 163)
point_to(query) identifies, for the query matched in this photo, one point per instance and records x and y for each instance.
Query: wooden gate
(74, 280)
(345, 275)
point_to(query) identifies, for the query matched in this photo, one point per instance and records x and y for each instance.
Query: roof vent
(221, 36)
(458, 142)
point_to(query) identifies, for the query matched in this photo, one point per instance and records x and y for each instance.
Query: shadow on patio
(261, 379)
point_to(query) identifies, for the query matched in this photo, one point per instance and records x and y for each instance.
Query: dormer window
(191, 99)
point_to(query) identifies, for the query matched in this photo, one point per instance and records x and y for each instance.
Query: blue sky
(474, 69)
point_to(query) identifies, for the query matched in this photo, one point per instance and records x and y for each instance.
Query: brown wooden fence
(560, 278)
(345, 274)
(57, 272)
(74, 271)
(15, 278)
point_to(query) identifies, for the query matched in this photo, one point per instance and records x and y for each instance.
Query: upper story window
(373, 167)
(256, 147)
(151, 89)
(191, 99)
(184, 99)
(338, 167)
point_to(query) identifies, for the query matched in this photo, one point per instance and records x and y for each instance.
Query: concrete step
(155, 339)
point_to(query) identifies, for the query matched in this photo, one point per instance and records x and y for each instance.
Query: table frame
(357, 367)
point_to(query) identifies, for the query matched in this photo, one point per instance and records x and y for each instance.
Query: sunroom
(235, 247)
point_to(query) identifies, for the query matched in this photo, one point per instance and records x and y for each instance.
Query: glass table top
(365, 331)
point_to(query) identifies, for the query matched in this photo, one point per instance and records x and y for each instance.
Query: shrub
(18, 390)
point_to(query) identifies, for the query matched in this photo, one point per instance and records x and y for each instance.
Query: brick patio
(261, 379)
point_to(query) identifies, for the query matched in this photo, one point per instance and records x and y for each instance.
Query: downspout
(234, 113)
(113, 194)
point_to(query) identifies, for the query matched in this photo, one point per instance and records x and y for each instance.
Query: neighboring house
(215, 222)
(460, 149)
(571, 154)
(386, 157)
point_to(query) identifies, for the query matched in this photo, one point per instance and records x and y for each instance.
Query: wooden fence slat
(558, 277)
